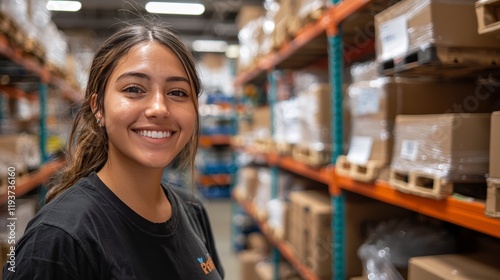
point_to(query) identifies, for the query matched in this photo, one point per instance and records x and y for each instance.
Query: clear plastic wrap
(392, 243)
(307, 7)
(316, 116)
(364, 71)
(450, 146)
(287, 125)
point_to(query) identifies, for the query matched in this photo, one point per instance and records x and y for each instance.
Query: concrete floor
(219, 212)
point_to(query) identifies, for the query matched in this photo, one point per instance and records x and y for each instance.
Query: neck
(139, 188)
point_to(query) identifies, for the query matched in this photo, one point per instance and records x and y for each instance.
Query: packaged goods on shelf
(309, 230)
(434, 152)
(247, 182)
(492, 206)
(386, 251)
(283, 16)
(287, 125)
(248, 263)
(435, 38)
(488, 17)
(215, 161)
(277, 217)
(265, 271)
(247, 14)
(454, 266)
(374, 105)
(414, 24)
(312, 9)
(495, 146)
(21, 150)
(250, 38)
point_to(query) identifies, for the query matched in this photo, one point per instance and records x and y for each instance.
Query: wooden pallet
(310, 156)
(284, 148)
(443, 62)
(368, 172)
(488, 17)
(421, 184)
(492, 207)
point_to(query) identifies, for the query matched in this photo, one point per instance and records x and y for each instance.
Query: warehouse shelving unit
(460, 212)
(34, 68)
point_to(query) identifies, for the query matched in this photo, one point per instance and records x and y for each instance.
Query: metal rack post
(335, 59)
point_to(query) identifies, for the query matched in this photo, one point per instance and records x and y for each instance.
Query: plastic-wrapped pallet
(434, 152)
(415, 24)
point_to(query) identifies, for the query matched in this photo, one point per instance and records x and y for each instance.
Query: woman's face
(149, 109)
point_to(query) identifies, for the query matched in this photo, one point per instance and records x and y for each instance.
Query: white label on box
(367, 101)
(360, 150)
(409, 150)
(394, 38)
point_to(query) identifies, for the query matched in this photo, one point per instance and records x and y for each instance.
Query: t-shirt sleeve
(48, 252)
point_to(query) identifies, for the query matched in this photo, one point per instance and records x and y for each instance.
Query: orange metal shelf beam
(212, 140)
(215, 180)
(30, 181)
(285, 249)
(462, 213)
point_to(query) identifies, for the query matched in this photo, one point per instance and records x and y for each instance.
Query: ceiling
(99, 18)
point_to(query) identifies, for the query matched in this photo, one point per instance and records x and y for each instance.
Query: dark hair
(90, 150)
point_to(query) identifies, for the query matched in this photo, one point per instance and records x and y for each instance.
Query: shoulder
(185, 196)
(75, 206)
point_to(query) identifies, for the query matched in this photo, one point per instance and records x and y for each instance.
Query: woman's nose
(157, 106)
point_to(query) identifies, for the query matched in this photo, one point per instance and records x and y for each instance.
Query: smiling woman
(108, 216)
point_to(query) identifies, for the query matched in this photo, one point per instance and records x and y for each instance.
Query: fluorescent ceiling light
(64, 6)
(175, 8)
(209, 46)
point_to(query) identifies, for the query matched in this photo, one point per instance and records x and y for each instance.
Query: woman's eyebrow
(177, 79)
(133, 74)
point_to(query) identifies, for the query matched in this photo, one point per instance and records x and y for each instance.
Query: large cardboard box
(375, 104)
(495, 146)
(311, 223)
(454, 267)
(411, 24)
(248, 261)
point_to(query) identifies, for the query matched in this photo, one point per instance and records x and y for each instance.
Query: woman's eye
(177, 93)
(133, 89)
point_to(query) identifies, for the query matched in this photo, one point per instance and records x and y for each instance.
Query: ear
(93, 107)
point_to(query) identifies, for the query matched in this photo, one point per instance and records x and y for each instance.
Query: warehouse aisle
(220, 217)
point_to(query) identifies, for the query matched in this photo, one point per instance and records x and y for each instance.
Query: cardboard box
(311, 221)
(454, 267)
(494, 170)
(248, 261)
(453, 147)
(247, 14)
(375, 104)
(411, 24)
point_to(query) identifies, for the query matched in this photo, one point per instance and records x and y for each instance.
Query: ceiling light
(209, 46)
(175, 8)
(64, 6)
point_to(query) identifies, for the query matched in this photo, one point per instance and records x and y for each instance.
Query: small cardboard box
(410, 24)
(454, 267)
(495, 146)
(454, 147)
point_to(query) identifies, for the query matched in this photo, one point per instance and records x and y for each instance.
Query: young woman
(109, 217)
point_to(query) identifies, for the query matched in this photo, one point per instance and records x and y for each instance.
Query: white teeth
(155, 134)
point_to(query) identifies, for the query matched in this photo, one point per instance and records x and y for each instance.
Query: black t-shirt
(89, 233)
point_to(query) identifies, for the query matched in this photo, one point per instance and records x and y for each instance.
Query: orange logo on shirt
(207, 266)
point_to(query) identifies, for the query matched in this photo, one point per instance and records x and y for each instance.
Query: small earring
(98, 121)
